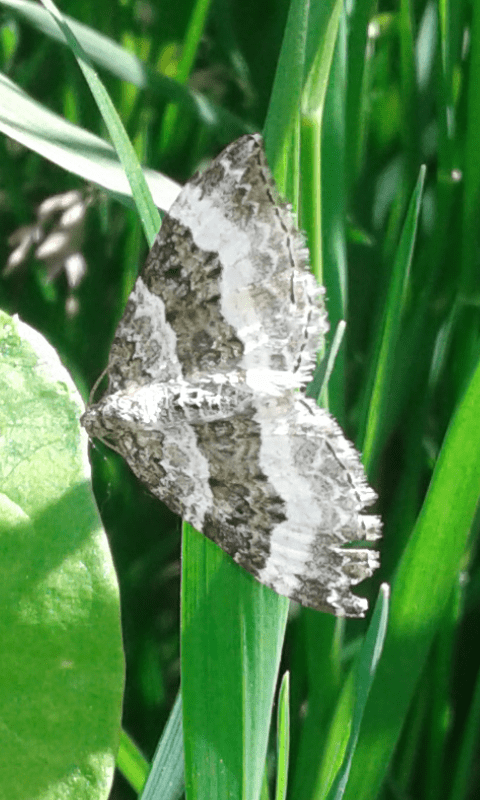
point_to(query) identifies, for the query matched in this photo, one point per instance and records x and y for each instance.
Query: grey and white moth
(206, 380)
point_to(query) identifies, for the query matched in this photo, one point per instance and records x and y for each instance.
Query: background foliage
(397, 248)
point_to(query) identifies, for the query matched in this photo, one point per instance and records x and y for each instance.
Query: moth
(206, 390)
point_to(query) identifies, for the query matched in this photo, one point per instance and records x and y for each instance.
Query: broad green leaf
(61, 673)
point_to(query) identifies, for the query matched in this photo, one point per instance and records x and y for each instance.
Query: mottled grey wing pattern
(205, 398)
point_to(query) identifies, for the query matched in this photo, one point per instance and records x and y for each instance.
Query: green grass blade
(409, 117)
(331, 197)
(412, 740)
(323, 197)
(71, 147)
(195, 31)
(322, 36)
(466, 761)
(328, 365)
(388, 338)
(147, 211)
(364, 670)
(287, 89)
(323, 647)
(323, 30)
(232, 635)
(126, 66)
(469, 265)
(264, 794)
(425, 579)
(283, 738)
(166, 778)
(131, 763)
(357, 85)
(439, 714)
(451, 28)
(191, 43)
(105, 52)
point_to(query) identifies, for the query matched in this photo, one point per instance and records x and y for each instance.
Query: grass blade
(375, 421)
(232, 635)
(287, 89)
(73, 148)
(190, 47)
(323, 31)
(364, 670)
(421, 591)
(469, 748)
(283, 738)
(166, 778)
(131, 763)
(409, 86)
(126, 66)
(357, 82)
(147, 211)
(329, 198)
(469, 269)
